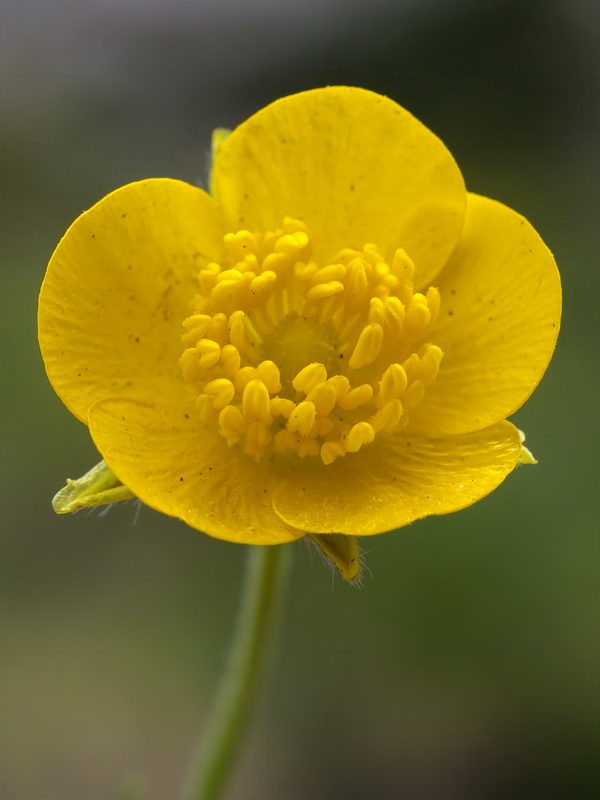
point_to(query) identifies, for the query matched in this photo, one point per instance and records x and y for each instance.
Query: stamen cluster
(286, 356)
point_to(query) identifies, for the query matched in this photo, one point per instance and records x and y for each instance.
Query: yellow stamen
(368, 346)
(393, 383)
(256, 402)
(222, 390)
(270, 325)
(302, 418)
(361, 433)
(309, 377)
(209, 351)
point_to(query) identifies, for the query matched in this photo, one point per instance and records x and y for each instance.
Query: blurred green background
(465, 668)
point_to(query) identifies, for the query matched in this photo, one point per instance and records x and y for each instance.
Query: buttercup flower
(328, 343)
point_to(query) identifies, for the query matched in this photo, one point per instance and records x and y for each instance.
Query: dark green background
(465, 668)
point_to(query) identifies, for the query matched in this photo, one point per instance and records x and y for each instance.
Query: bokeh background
(466, 665)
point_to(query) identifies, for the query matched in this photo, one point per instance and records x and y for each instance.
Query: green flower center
(287, 356)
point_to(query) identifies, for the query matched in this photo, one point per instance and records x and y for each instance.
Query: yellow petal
(498, 323)
(354, 166)
(403, 478)
(175, 464)
(117, 289)
(341, 550)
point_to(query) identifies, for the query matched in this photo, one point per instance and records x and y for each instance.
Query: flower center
(286, 356)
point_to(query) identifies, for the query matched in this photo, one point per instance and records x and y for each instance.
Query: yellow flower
(330, 343)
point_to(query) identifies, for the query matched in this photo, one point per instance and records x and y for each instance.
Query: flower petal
(355, 166)
(498, 324)
(117, 288)
(404, 478)
(176, 465)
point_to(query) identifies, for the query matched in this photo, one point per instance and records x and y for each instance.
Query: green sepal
(340, 550)
(525, 456)
(98, 487)
(218, 138)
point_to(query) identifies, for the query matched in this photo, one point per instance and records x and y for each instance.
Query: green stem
(236, 695)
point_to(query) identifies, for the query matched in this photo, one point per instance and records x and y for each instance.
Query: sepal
(526, 456)
(98, 487)
(340, 550)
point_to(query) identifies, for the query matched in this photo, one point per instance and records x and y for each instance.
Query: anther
(282, 407)
(341, 385)
(209, 351)
(413, 395)
(309, 377)
(376, 311)
(324, 397)
(232, 424)
(333, 272)
(332, 450)
(222, 391)
(433, 303)
(360, 434)
(402, 265)
(223, 293)
(268, 373)
(302, 418)
(236, 329)
(190, 365)
(263, 281)
(418, 316)
(357, 285)
(368, 346)
(292, 243)
(429, 364)
(231, 360)
(387, 418)
(393, 383)
(256, 403)
(239, 244)
(218, 330)
(323, 290)
(356, 397)
(195, 328)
